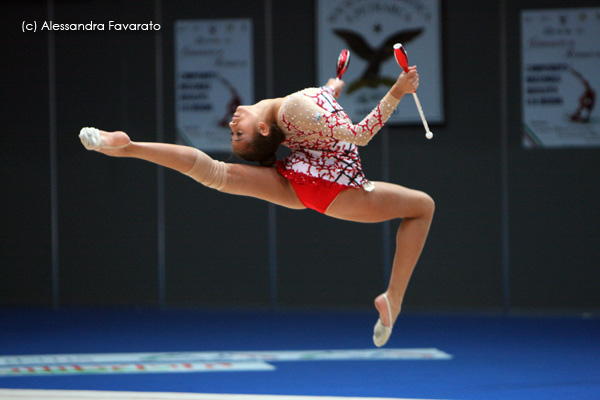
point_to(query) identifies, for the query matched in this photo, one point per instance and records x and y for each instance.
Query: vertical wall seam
(386, 226)
(272, 211)
(160, 175)
(53, 161)
(504, 157)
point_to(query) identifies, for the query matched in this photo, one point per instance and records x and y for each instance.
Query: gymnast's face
(244, 126)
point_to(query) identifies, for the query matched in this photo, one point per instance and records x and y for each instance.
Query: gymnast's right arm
(361, 133)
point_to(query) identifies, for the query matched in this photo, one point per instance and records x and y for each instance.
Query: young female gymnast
(323, 171)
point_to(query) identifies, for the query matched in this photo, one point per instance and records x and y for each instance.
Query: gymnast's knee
(427, 205)
(209, 172)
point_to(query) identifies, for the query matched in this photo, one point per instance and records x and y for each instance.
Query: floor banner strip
(18, 394)
(227, 356)
(132, 368)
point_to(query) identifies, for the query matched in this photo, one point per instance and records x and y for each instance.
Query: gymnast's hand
(336, 85)
(407, 82)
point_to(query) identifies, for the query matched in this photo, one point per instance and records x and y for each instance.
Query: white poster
(369, 29)
(213, 75)
(560, 53)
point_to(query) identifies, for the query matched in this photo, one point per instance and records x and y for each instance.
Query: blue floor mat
(493, 357)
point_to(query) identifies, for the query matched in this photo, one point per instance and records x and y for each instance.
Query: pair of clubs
(402, 60)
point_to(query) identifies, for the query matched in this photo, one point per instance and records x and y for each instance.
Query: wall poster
(560, 53)
(369, 29)
(214, 73)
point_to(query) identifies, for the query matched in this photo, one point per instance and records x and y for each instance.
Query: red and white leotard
(323, 139)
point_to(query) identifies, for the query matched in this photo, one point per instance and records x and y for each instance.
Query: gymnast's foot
(105, 142)
(385, 323)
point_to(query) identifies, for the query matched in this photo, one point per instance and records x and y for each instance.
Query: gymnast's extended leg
(241, 179)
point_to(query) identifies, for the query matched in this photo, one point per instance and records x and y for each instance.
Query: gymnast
(323, 171)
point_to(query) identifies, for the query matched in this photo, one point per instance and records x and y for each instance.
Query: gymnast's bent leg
(386, 202)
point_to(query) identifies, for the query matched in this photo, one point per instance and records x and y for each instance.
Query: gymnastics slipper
(92, 140)
(381, 333)
(90, 137)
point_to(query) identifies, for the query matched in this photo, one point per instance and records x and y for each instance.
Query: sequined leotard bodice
(323, 139)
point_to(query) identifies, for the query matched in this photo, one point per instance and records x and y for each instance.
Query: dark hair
(263, 148)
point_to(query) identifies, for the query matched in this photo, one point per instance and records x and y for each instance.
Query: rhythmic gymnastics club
(342, 63)
(402, 60)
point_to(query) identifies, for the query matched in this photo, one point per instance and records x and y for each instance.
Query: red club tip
(342, 63)
(401, 56)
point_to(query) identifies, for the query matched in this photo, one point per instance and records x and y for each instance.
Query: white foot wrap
(209, 172)
(381, 333)
(90, 137)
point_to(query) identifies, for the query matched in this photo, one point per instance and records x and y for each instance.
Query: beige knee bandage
(209, 172)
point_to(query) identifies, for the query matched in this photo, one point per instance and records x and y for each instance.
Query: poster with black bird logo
(369, 29)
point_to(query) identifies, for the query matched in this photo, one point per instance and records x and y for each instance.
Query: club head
(401, 56)
(342, 63)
